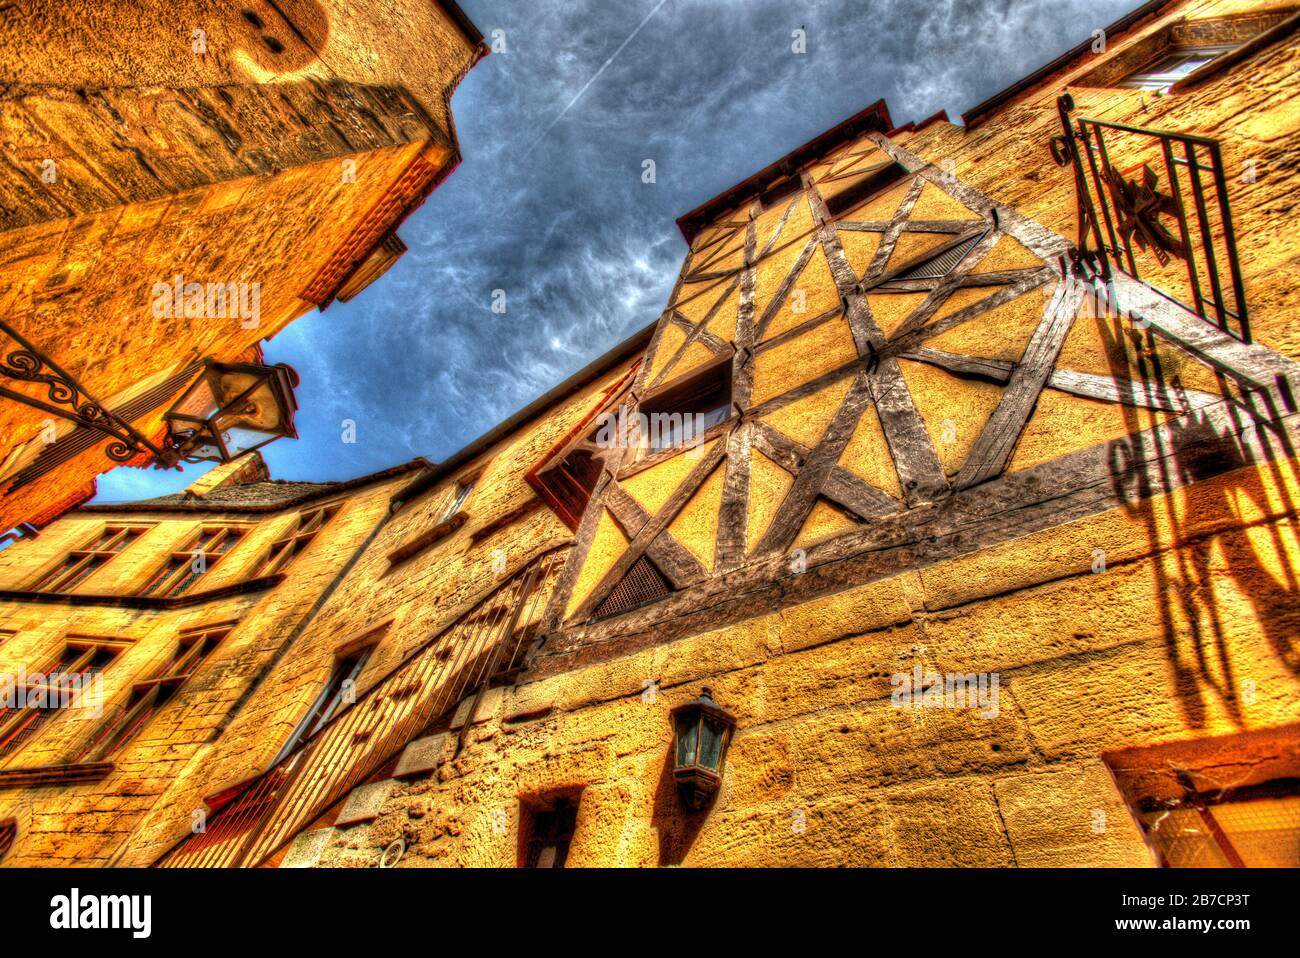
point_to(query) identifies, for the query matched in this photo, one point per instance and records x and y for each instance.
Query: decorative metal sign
(1154, 205)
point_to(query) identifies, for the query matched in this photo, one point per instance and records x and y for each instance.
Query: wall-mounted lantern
(702, 732)
(230, 409)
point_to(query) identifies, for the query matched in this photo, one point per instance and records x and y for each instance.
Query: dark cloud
(585, 252)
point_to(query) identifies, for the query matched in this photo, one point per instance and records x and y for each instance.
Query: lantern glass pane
(242, 440)
(711, 743)
(688, 728)
(258, 410)
(199, 402)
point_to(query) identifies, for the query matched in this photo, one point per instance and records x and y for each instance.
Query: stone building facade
(263, 151)
(987, 547)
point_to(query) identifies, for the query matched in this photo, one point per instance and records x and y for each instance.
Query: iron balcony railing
(489, 640)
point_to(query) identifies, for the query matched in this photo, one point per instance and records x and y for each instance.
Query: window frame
(679, 396)
(80, 564)
(1225, 839)
(149, 696)
(176, 575)
(461, 491)
(543, 819)
(23, 724)
(284, 552)
(564, 486)
(326, 703)
(1147, 78)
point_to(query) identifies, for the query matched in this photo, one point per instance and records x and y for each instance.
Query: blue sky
(549, 204)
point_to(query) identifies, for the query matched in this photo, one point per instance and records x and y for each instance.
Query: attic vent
(642, 584)
(937, 267)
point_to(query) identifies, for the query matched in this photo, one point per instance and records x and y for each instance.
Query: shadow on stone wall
(1196, 544)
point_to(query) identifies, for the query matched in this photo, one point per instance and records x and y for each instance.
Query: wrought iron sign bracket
(1087, 260)
(1124, 219)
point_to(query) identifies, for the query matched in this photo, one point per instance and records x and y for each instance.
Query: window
(186, 567)
(1172, 66)
(678, 414)
(1253, 827)
(340, 689)
(80, 564)
(463, 488)
(1182, 51)
(6, 635)
(849, 191)
(153, 693)
(781, 190)
(8, 835)
(285, 550)
(567, 475)
(1226, 802)
(58, 685)
(569, 484)
(546, 831)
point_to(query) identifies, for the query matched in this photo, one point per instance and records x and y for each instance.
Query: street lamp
(230, 409)
(702, 732)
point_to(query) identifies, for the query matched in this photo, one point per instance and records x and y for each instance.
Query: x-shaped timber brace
(940, 516)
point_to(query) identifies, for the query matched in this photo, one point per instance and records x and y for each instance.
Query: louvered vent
(937, 267)
(642, 584)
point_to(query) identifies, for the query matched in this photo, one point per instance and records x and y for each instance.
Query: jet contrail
(630, 37)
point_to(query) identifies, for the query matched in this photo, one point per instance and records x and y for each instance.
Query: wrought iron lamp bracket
(1087, 260)
(66, 398)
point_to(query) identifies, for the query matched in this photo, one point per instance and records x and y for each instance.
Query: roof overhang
(981, 111)
(874, 117)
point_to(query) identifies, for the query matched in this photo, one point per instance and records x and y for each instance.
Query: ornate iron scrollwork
(1140, 206)
(1087, 260)
(68, 399)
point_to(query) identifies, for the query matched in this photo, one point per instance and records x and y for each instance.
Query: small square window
(546, 827)
(1172, 65)
(678, 414)
(463, 488)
